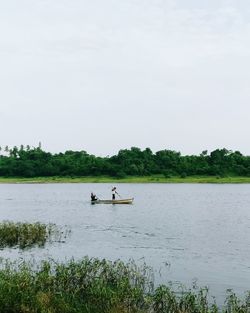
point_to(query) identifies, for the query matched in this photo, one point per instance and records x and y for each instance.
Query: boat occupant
(93, 197)
(114, 192)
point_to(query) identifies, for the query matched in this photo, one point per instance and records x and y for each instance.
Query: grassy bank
(131, 179)
(23, 235)
(99, 286)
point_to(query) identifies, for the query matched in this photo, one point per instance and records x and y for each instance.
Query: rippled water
(186, 232)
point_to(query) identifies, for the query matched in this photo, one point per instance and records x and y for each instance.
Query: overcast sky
(105, 75)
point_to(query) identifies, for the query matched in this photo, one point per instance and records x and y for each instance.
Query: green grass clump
(24, 235)
(99, 286)
(90, 285)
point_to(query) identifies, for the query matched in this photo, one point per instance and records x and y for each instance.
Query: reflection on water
(186, 232)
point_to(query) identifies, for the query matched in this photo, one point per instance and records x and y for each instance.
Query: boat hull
(118, 201)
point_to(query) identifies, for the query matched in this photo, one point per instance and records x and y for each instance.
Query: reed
(99, 286)
(24, 235)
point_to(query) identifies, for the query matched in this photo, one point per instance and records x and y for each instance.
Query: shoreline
(133, 179)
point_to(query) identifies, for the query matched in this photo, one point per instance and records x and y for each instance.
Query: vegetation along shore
(94, 286)
(128, 179)
(34, 165)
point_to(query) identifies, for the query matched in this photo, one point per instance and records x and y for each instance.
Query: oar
(119, 195)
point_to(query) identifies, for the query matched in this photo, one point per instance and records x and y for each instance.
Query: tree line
(35, 162)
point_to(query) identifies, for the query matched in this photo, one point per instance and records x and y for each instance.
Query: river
(187, 232)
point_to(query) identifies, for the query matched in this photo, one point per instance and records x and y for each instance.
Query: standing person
(114, 192)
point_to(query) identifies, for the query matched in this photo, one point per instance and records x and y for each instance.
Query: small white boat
(116, 201)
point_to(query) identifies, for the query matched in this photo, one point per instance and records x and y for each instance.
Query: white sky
(105, 75)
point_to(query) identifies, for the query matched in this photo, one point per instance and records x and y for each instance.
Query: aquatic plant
(27, 234)
(89, 285)
(99, 286)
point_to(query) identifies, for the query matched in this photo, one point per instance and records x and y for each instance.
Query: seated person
(93, 197)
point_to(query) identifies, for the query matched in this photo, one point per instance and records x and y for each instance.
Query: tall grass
(24, 235)
(99, 286)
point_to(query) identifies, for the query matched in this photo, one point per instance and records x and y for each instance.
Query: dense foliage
(95, 286)
(34, 162)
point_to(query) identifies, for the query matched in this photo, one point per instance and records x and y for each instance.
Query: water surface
(186, 232)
